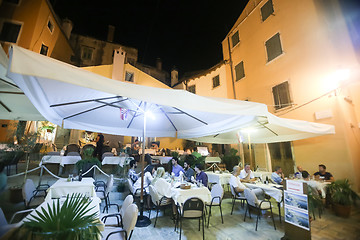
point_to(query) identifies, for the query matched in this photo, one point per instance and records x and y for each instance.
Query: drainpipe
(231, 68)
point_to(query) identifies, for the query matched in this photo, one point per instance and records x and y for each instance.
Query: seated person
(148, 177)
(200, 175)
(277, 176)
(323, 175)
(176, 168)
(312, 184)
(160, 173)
(189, 172)
(148, 161)
(298, 174)
(132, 173)
(246, 175)
(161, 185)
(238, 187)
(135, 146)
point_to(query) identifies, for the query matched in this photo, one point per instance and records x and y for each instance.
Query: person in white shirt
(235, 182)
(246, 175)
(148, 177)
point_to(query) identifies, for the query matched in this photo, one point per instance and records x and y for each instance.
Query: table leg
(279, 206)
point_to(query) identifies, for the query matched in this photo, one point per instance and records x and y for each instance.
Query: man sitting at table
(278, 175)
(235, 183)
(176, 168)
(132, 173)
(298, 174)
(322, 174)
(246, 175)
(189, 172)
(201, 175)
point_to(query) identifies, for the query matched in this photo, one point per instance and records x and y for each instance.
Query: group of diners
(322, 175)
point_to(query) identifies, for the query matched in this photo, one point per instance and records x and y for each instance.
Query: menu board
(296, 209)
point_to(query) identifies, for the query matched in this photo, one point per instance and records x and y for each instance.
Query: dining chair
(33, 196)
(5, 226)
(103, 191)
(193, 208)
(217, 193)
(53, 153)
(119, 216)
(129, 221)
(236, 196)
(258, 206)
(159, 203)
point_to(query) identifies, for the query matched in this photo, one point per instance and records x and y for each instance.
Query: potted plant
(231, 159)
(71, 220)
(87, 161)
(342, 197)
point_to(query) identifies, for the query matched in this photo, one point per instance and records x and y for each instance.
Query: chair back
(73, 154)
(107, 154)
(154, 195)
(130, 218)
(218, 192)
(251, 197)
(127, 201)
(131, 185)
(232, 190)
(193, 208)
(53, 153)
(3, 221)
(109, 184)
(28, 190)
(72, 148)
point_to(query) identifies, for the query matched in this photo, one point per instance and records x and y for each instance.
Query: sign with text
(294, 186)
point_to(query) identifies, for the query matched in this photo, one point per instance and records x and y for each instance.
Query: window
(192, 89)
(10, 32)
(44, 49)
(129, 77)
(266, 10)
(235, 39)
(216, 81)
(239, 71)
(273, 47)
(50, 26)
(87, 53)
(281, 95)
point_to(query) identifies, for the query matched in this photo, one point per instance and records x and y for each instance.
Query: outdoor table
(219, 178)
(181, 195)
(62, 188)
(269, 189)
(318, 185)
(61, 160)
(114, 160)
(162, 159)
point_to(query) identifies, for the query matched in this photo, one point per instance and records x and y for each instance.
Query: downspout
(231, 68)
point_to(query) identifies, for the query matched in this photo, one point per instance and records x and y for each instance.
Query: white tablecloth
(262, 175)
(219, 178)
(213, 160)
(181, 195)
(163, 160)
(62, 187)
(62, 160)
(115, 160)
(269, 189)
(321, 186)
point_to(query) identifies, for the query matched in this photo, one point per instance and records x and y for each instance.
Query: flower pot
(16, 194)
(342, 210)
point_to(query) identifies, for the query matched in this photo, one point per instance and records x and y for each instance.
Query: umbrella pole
(142, 220)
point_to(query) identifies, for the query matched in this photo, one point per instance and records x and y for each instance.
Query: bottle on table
(80, 175)
(267, 180)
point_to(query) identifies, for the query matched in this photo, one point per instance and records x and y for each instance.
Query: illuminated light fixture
(334, 80)
(248, 130)
(149, 114)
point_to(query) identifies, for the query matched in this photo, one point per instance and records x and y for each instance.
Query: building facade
(297, 57)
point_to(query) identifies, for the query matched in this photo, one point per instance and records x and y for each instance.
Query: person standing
(99, 146)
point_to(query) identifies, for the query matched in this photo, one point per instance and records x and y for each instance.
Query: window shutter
(239, 71)
(266, 10)
(273, 47)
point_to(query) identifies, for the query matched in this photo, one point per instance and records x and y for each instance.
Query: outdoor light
(334, 80)
(149, 114)
(248, 130)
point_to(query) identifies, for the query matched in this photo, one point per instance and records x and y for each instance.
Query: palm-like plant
(69, 221)
(341, 192)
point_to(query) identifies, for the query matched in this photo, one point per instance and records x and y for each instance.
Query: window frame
(218, 76)
(83, 47)
(289, 95)
(243, 67)
(53, 25)
(282, 48)
(47, 51)
(2, 21)
(273, 6)
(232, 43)
(132, 74)
(188, 88)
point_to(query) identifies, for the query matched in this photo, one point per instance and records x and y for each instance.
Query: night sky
(183, 33)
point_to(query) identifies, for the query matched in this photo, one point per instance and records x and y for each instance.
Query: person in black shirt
(322, 174)
(99, 146)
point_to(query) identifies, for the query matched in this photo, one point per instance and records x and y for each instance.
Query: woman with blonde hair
(160, 173)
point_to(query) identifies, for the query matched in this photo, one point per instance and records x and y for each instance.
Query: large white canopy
(14, 105)
(78, 99)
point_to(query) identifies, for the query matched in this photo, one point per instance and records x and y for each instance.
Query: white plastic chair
(119, 216)
(73, 154)
(236, 196)
(104, 193)
(53, 153)
(129, 221)
(254, 203)
(5, 226)
(157, 201)
(33, 196)
(217, 193)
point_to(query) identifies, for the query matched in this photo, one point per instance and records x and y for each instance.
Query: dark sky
(183, 33)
